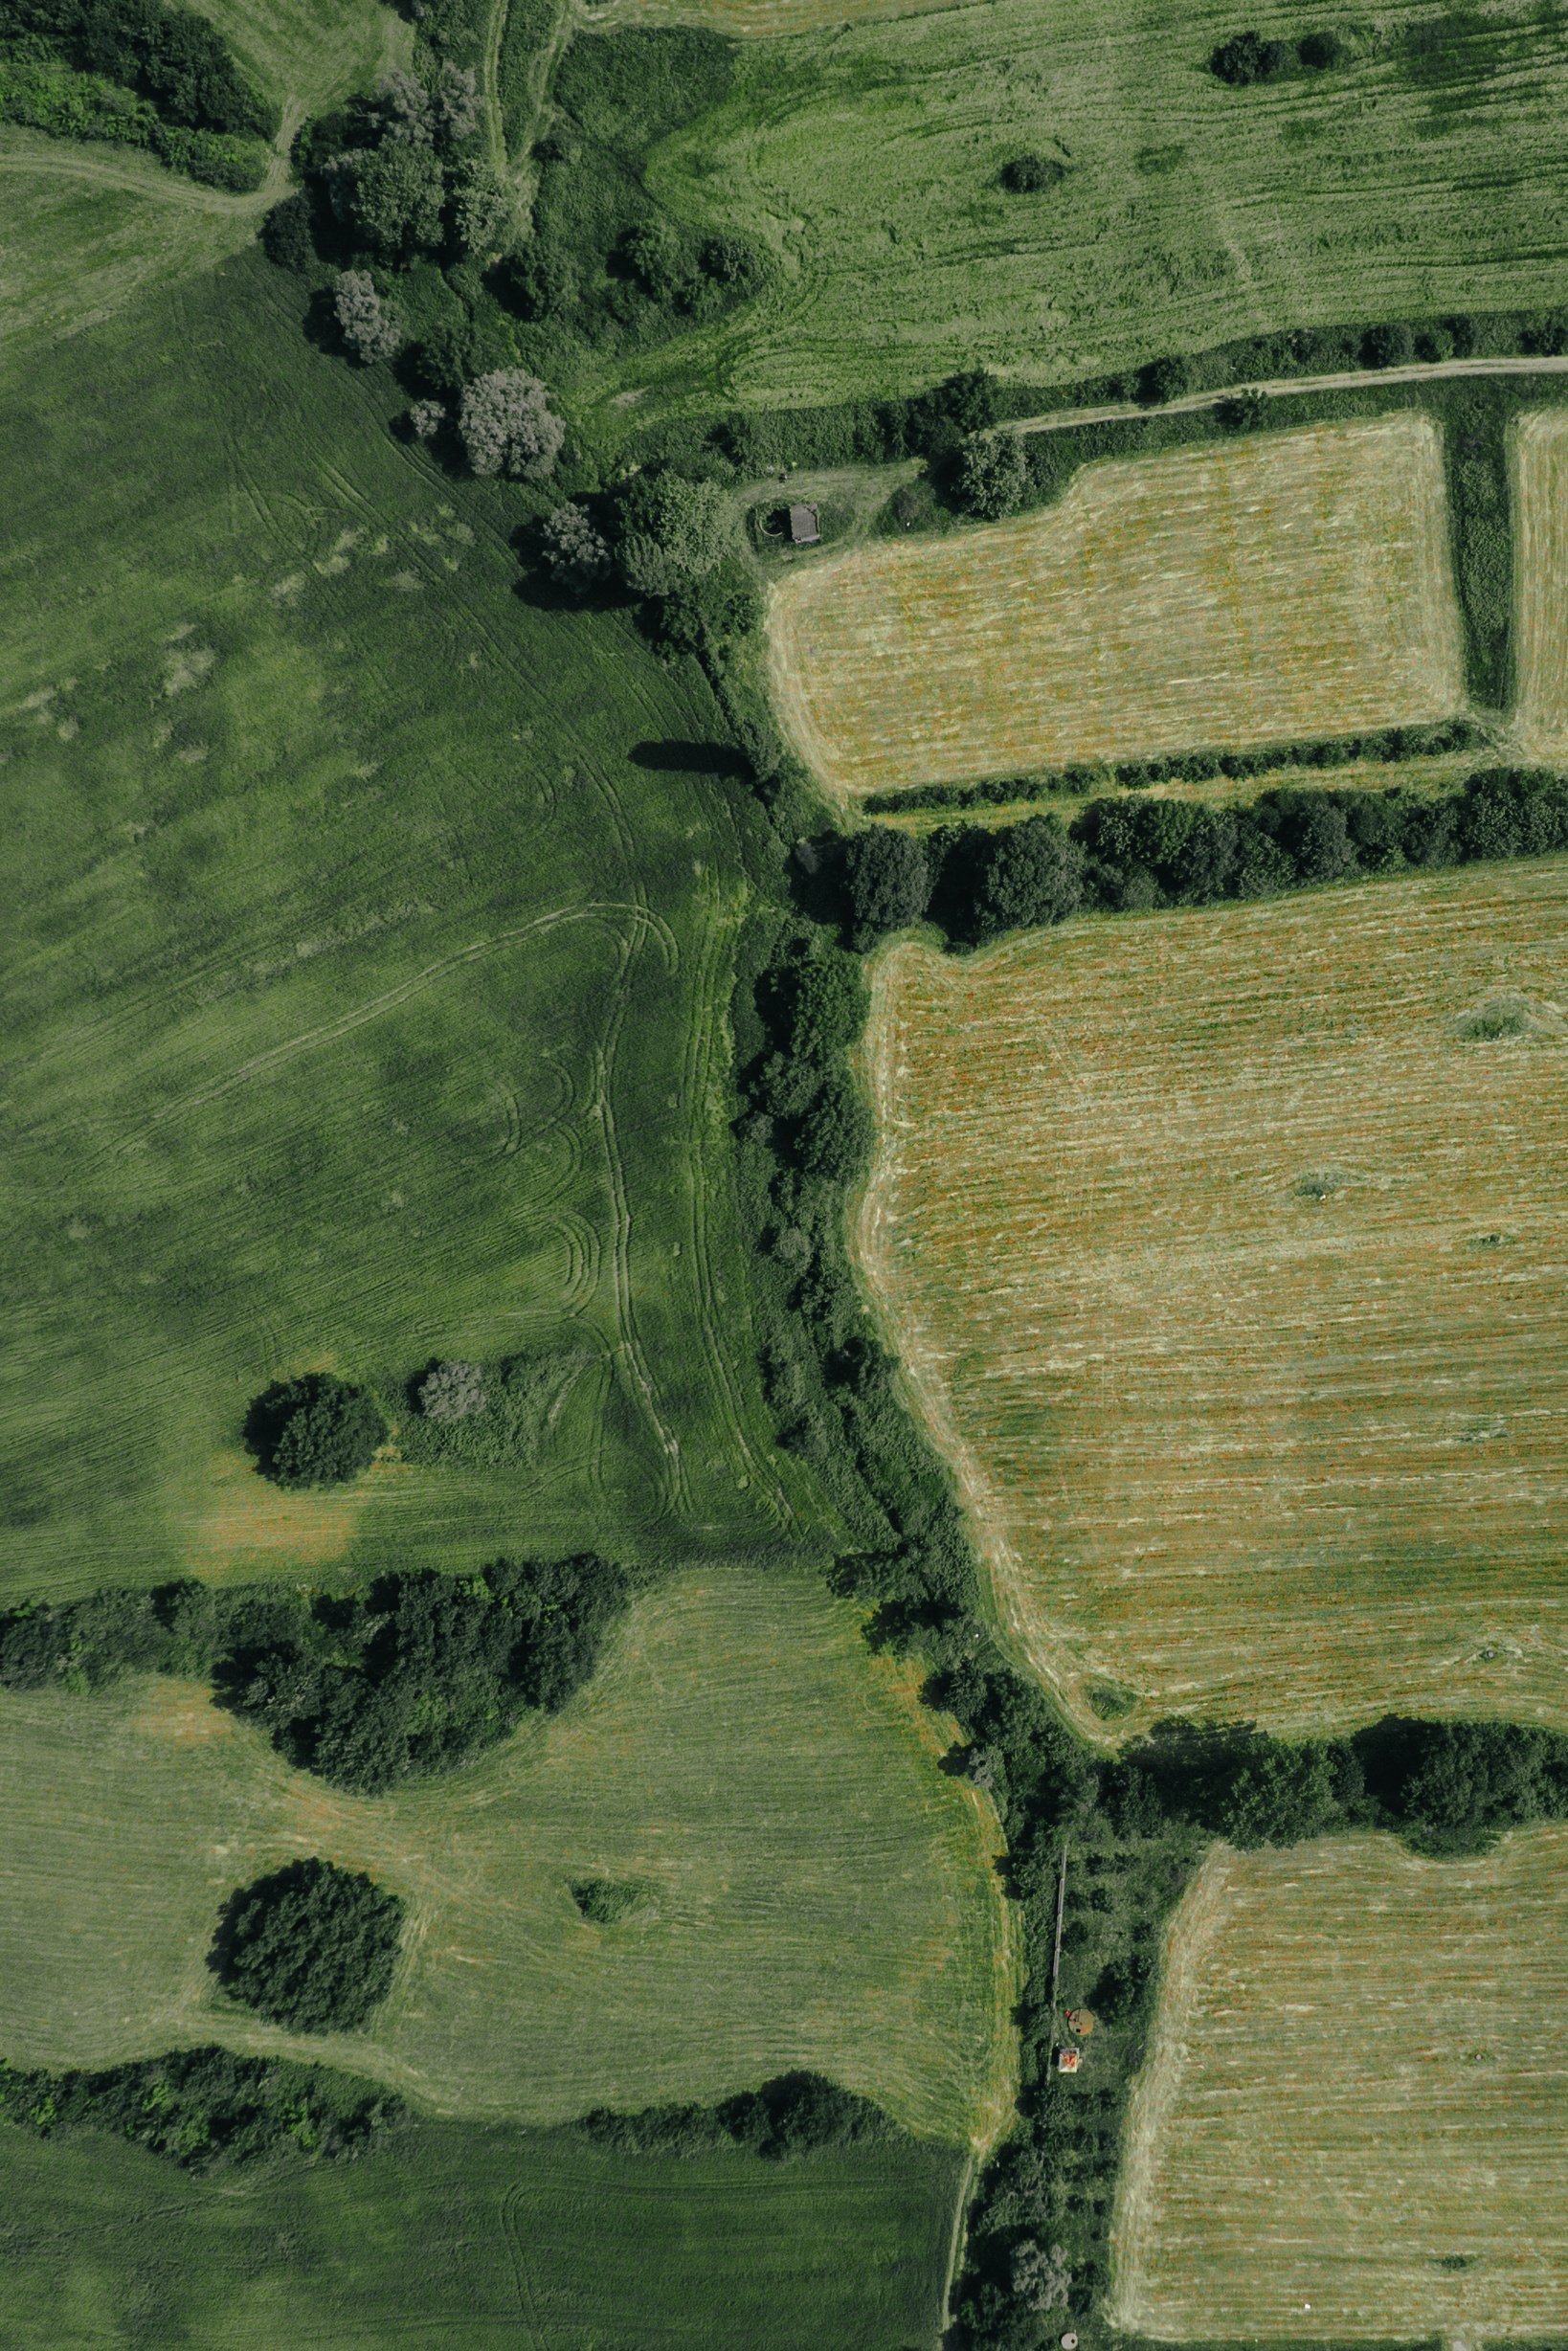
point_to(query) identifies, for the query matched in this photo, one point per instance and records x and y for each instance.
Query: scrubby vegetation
(794, 2115)
(413, 1675)
(206, 2108)
(311, 1946)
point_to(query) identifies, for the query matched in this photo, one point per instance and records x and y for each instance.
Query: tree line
(1130, 853)
(207, 2109)
(793, 2115)
(412, 1676)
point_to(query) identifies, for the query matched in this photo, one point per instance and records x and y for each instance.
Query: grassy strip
(40, 94)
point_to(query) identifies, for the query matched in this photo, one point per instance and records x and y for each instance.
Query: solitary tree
(314, 1431)
(311, 1946)
(576, 555)
(506, 426)
(391, 197)
(453, 1392)
(371, 329)
(427, 417)
(887, 882)
(672, 532)
(993, 475)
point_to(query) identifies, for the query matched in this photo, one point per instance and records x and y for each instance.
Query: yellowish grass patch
(1540, 463)
(1294, 583)
(1227, 1254)
(1351, 2124)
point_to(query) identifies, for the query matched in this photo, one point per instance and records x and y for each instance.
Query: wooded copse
(414, 1675)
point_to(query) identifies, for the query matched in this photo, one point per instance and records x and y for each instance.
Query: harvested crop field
(1227, 1254)
(1351, 2124)
(811, 1889)
(1296, 583)
(1540, 459)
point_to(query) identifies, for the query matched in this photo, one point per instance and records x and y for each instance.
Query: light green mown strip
(1350, 2125)
(821, 1895)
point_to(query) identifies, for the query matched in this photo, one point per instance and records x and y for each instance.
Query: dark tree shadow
(677, 759)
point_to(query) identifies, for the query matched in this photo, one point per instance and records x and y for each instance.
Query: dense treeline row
(1388, 744)
(1124, 855)
(1037, 2239)
(414, 1675)
(208, 2109)
(792, 2115)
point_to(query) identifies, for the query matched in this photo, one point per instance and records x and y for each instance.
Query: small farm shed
(803, 531)
(1066, 2060)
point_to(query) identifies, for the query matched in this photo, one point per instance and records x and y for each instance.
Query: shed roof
(804, 528)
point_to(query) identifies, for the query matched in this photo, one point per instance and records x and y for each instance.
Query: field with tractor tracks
(1350, 2123)
(1226, 1254)
(486, 2237)
(1288, 585)
(367, 986)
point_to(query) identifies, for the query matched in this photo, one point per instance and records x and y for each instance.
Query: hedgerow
(208, 2109)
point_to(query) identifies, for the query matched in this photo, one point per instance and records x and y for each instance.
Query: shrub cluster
(42, 93)
(415, 1675)
(1247, 57)
(311, 1946)
(792, 2115)
(169, 55)
(1123, 855)
(207, 2107)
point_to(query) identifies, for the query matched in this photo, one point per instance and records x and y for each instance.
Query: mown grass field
(367, 963)
(1225, 1253)
(1349, 2125)
(88, 227)
(1540, 492)
(1288, 585)
(1428, 177)
(487, 2238)
(816, 1892)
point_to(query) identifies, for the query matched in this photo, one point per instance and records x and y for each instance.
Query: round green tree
(673, 533)
(311, 1946)
(316, 1430)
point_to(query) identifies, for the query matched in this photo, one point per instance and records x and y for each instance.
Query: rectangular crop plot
(1540, 458)
(1295, 584)
(1227, 1254)
(1354, 2122)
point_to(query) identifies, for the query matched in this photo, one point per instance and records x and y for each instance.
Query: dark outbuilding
(803, 531)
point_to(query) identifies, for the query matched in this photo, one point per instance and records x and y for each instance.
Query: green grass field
(366, 996)
(818, 1894)
(1422, 179)
(486, 2238)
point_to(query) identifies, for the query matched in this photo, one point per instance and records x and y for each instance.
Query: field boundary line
(1279, 387)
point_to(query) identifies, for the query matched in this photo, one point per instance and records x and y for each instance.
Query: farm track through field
(1284, 387)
